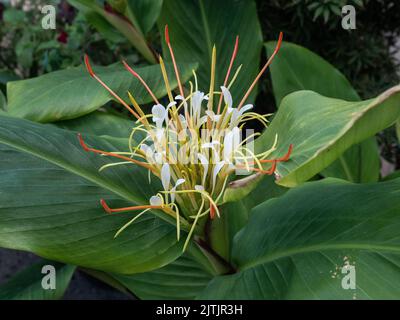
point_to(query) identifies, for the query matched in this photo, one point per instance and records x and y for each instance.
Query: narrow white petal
(245, 108)
(227, 96)
(165, 176)
(179, 182)
(228, 144)
(204, 163)
(216, 170)
(172, 103)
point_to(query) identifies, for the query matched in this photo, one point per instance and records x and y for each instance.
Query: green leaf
(235, 214)
(295, 246)
(297, 68)
(71, 93)
(195, 26)
(3, 101)
(144, 13)
(27, 284)
(64, 221)
(100, 123)
(322, 128)
(360, 163)
(182, 279)
(398, 129)
(103, 26)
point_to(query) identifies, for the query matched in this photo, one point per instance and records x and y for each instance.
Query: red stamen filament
(137, 76)
(268, 172)
(134, 208)
(173, 60)
(90, 70)
(262, 71)
(234, 53)
(86, 148)
(282, 159)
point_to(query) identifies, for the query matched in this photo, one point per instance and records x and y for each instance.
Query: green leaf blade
(215, 22)
(295, 247)
(65, 221)
(318, 143)
(71, 93)
(27, 284)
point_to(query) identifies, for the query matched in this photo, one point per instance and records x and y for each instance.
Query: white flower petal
(228, 145)
(204, 163)
(202, 121)
(197, 98)
(227, 96)
(158, 111)
(183, 121)
(156, 201)
(216, 170)
(172, 103)
(165, 176)
(158, 157)
(245, 108)
(178, 183)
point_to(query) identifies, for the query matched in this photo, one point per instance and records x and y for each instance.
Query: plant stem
(213, 262)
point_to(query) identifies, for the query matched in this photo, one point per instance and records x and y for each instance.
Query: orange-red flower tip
(105, 206)
(127, 67)
(166, 34)
(212, 211)
(88, 66)
(82, 143)
(279, 41)
(236, 46)
(287, 155)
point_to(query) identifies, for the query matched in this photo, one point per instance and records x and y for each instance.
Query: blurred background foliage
(365, 55)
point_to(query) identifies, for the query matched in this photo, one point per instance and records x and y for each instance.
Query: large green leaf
(47, 210)
(100, 123)
(144, 13)
(297, 68)
(322, 128)
(181, 279)
(295, 246)
(71, 93)
(62, 148)
(195, 26)
(3, 101)
(235, 214)
(27, 284)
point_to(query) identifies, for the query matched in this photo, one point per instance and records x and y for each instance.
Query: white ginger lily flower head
(193, 145)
